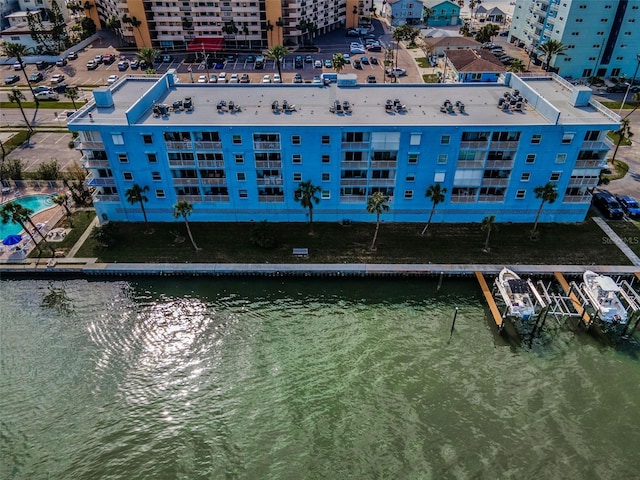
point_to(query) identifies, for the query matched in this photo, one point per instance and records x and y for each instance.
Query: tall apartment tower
(243, 24)
(602, 37)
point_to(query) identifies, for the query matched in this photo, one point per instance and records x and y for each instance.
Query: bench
(300, 252)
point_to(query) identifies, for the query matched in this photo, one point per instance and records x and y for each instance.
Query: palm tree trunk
(144, 214)
(310, 219)
(615, 152)
(375, 235)
(424, 230)
(486, 240)
(33, 94)
(535, 225)
(190, 235)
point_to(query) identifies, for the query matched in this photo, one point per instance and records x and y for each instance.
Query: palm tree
(377, 203)
(339, 62)
(13, 212)
(62, 199)
(147, 55)
(517, 66)
(436, 194)
(72, 94)
(136, 194)
(277, 53)
(230, 28)
(547, 193)
(488, 225)
(398, 35)
(269, 28)
(16, 96)
(306, 195)
(551, 48)
(18, 51)
(184, 209)
(623, 133)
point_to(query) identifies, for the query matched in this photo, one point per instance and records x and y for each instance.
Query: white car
(276, 78)
(357, 51)
(233, 78)
(47, 95)
(213, 78)
(266, 79)
(317, 80)
(112, 79)
(202, 79)
(57, 78)
(317, 64)
(222, 77)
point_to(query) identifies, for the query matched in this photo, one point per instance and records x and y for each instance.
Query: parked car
(35, 77)
(108, 59)
(244, 78)
(357, 51)
(42, 88)
(72, 55)
(167, 58)
(630, 206)
(353, 33)
(112, 79)
(374, 48)
(357, 64)
(371, 79)
(618, 88)
(266, 79)
(98, 59)
(608, 205)
(328, 63)
(395, 72)
(251, 59)
(297, 62)
(122, 66)
(47, 95)
(222, 77)
(92, 65)
(41, 65)
(234, 78)
(219, 65)
(308, 59)
(11, 79)
(57, 78)
(347, 57)
(60, 88)
(317, 64)
(259, 65)
(202, 79)
(317, 80)
(373, 60)
(18, 65)
(297, 78)
(504, 34)
(61, 62)
(213, 78)
(134, 64)
(364, 60)
(276, 78)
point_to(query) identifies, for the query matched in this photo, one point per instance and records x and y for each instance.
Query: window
(600, 33)
(326, 140)
(578, 20)
(439, 177)
(442, 158)
(575, 34)
(159, 193)
(241, 176)
(408, 194)
(445, 139)
(295, 139)
(147, 139)
(567, 137)
(237, 139)
(411, 178)
(531, 158)
(326, 158)
(296, 158)
(297, 177)
(117, 139)
(243, 194)
(555, 176)
(415, 139)
(525, 177)
(239, 157)
(326, 194)
(561, 158)
(152, 158)
(604, 20)
(413, 158)
(326, 176)
(536, 138)
(155, 176)
(520, 194)
(128, 176)
(122, 158)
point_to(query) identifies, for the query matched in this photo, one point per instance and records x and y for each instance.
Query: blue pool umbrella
(11, 240)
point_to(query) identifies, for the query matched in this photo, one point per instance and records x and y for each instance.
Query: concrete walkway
(617, 241)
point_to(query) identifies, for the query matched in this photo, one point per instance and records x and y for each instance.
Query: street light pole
(630, 84)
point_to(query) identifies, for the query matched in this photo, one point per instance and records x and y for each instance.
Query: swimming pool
(36, 203)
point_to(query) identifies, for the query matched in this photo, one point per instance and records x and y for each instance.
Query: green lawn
(629, 232)
(581, 244)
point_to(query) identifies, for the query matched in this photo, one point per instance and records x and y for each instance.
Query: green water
(315, 379)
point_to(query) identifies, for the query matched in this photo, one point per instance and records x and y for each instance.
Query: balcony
(200, 145)
(383, 163)
(211, 163)
(382, 182)
(583, 182)
(474, 145)
(214, 181)
(216, 198)
(266, 145)
(179, 145)
(463, 199)
(355, 145)
(591, 163)
(182, 163)
(470, 164)
(353, 199)
(186, 181)
(358, 165)
(269, 181)
(500, 164)
(189, 198)
(353, 182)
(510, 145)
(106, 198)
(79, 145)
(495, 182)
(586, 198)
(491, 198)
(92, 181)
(598, 145)
(268, 164)
(271, 198)
(90, 162)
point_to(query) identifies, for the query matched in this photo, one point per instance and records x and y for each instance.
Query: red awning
(208, 44)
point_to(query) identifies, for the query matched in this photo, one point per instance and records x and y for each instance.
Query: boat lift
(540, 306)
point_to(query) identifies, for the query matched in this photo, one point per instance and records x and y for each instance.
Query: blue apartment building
(443, 12)
(602, 37)
(238, 152)
(403, 12)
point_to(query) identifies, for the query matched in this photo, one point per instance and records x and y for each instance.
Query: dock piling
(453, 324)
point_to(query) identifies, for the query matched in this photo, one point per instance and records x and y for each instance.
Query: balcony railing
(79, 145)
(382, 182)
(216, 198)
(353, 198)
(89, 162)
(269, 181)
(495, 182)
(500, 164)
(583, 182)
(211, 163)
(359, 165)
(186, 181)
(266, 145)
(586, 198)
(271, 198)
(474, 145)
(491, 198)
(353, 182)
(106, 198)
(509, 145)
(470, 164)
(214, 181)
(591, 163)
(463, 199)
(355, 145)
(92, 181)
(202, 145)
(182, 163)
(179, 145)
(189, 198)
(597, 145)
(268, 164)
(383, 163)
